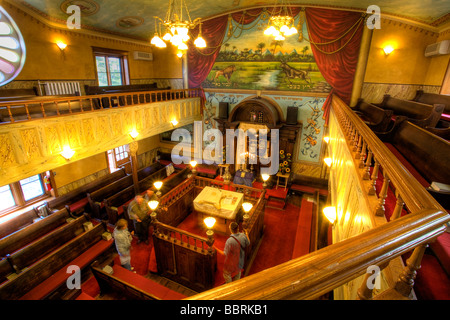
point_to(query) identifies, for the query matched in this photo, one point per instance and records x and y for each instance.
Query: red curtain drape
(335, 37)
(199, 65)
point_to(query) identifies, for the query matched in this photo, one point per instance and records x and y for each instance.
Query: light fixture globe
(153, 204)
(209, 222)
(330, 214)
(247, 206)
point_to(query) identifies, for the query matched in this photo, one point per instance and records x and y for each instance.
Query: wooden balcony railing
(315, 274)
(48, 106)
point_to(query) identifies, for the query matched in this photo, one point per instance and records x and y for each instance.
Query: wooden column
(134, 165)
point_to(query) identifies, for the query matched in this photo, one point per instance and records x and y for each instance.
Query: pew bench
(97, 197)
(76, 201)
(24, 236)
(423, 115)
(36, 250)
(132, 285)
(18, 222)
(114, 204)
(49, 274)
(376, 118)
(434, 98)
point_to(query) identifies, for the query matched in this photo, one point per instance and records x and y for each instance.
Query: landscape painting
(255, 61)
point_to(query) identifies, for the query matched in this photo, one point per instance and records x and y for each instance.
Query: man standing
(138, 211)
(234, 253)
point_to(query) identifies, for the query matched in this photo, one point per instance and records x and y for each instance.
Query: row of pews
(38, 247)
(417, 133)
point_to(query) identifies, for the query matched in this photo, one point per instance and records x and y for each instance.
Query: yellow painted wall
(407, 64)
(148, 144)
(45, 61)
(438, 65)
(77, 170)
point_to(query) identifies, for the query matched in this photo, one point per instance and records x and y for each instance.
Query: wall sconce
(247, 206)
(61, 45)
(328, 161)
(265, 177)
(67, 153)
(158, 185)
(330, 214)
(388, 50)
(326, 139)
(209, 222)
(134, 134)
(174, 122)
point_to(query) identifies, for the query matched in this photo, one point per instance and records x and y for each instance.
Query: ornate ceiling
(135, 18)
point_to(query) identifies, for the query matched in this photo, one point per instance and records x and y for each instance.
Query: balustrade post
(379, 210)
(372, 189)
(398, 206)
(356, 138)
(366, 175)
(362, 156)
(405, 282)
(358, 147)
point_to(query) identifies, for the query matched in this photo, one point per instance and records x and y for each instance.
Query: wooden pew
(444, 133)
(36, 250)
(5, 269)
(147, 171)
(132, 285)
(25, 235)
(376, 118)
(115, 204)
(96, 197)
(147, 182)
(49, 274)
(433, 98)
(424, 154)
(76, 200)
(423, 115)
(20, 221)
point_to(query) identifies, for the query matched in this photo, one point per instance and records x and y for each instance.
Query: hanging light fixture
(177, 29)
(281, 25)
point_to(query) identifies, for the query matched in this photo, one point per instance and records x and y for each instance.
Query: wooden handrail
(412, 192)
(43, 102)
(317, 273)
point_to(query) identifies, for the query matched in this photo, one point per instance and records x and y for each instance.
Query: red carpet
(278, 239)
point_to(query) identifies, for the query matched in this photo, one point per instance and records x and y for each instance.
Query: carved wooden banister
(411, 191)
(317, 273)
(85, 101)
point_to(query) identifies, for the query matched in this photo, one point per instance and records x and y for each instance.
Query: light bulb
(67, 152)
(284, 29)
(265, 177)
(200, 42)
(193, 163)
(134, 134)
(182, 46)
(328, 161)
(167, 36)
(269, 31)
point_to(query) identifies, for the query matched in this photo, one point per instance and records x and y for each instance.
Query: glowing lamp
(247, 206)
(200, 42)
(158, 185)
(265, 177)
(174, 122)
(67, 153)
(330, 214)
(209, 222)
(153, 204)
(326, 139)
(134, 134)
(388, 50)
(61, 45)
(328, 161)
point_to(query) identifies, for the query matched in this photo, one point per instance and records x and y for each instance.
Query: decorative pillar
(134, 165)
(361, 66)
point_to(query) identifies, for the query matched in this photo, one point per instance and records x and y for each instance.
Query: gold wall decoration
(31, 147)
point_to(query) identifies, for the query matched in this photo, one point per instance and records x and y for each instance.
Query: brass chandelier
(281, 25)
(177, 29)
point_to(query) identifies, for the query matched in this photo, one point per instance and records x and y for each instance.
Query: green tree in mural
(275, 44)
(304, 50)
(260, 47)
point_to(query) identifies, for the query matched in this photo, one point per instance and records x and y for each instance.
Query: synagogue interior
(320, 129)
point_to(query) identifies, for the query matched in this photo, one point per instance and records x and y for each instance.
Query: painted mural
(310, 114)
(254, 61)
